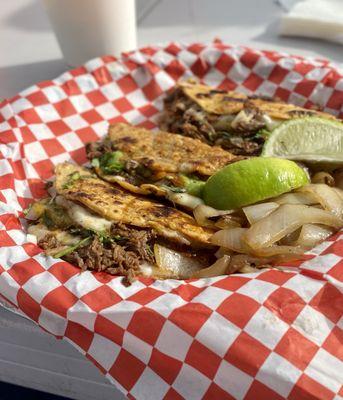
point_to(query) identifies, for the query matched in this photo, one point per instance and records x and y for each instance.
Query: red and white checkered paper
(268, 335)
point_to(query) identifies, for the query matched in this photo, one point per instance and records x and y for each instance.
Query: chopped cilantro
(105, 238)
(70, 249)
(47, 220)
(73, 177)
(174, 189)
(95, 163)
(149, 251)
(111, 162)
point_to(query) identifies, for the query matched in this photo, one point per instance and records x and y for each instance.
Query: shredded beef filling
(111, 257)
(185, 117)
(134, 172)
(97, 149)
(120, 256)
(49, 242)
(139, 242)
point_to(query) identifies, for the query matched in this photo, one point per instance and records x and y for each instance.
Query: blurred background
(30, 52)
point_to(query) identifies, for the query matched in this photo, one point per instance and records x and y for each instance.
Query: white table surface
(29, 53)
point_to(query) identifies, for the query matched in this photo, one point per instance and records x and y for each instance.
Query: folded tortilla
(99, 226)
(235, 121)
(158, 163)
(120, 206)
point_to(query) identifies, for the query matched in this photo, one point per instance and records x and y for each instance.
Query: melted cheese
(81, 216)
(39, 231)
(184, 199)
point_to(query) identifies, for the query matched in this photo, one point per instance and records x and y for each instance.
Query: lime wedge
(249, 181)
(310, 139)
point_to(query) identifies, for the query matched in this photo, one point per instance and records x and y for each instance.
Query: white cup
(90, 28)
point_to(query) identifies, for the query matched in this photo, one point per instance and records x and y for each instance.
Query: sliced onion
(231, 239)
(258, 211)
(155, 272)
(323, 177)
(242, 118)
(202, 213)
(326, 196)
(296, 198)
(228, 222)
(248, 269)
(222, 252)
(284, 220)
(275, 250)
(289, 239)
(339, 192)
(216, 269)
(311, 235)
(246, 262)
(185, 200)
(179, 265)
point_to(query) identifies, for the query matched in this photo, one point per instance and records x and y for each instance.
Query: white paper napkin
(313, 18)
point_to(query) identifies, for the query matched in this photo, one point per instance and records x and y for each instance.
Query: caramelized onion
(276, 250)
(184, 199)
(323, 177)
(339, 192)
(326, 196)
(296, 198)
(311, 235)
(216, 269)
(228, 221)
(202, 214)
(231, 239)
(177, 264)
(247, 263)
(284, 220)
(222, 252)
(258, 211)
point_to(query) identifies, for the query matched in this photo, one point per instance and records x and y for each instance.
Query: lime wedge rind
(249, 181)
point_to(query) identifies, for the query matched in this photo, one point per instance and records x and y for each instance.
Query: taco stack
(159, 163)
(235, 121)
(98, 226)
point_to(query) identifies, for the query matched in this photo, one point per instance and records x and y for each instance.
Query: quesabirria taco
(100, 226)
(237, 122)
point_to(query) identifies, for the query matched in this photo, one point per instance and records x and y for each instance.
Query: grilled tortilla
(235, 121)
(101, 227)
(222, 102)
(160, 163)
(117, 205)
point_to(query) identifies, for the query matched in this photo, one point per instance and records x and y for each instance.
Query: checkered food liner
(267, 335)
